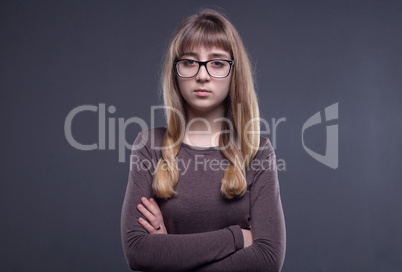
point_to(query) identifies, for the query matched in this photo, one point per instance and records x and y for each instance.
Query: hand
(248, 237)
(153, 214)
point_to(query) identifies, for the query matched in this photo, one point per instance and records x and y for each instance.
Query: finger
(146, 225)
(151, 206)
(153, 220)
(148, 215)
(158, 212)
(155, 204)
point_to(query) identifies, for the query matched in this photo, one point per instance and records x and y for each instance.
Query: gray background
(60, 207)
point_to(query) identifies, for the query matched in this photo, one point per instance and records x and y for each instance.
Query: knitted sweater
(204, 228)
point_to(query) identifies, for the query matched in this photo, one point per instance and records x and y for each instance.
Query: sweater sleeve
(267, 252)
(166, 252)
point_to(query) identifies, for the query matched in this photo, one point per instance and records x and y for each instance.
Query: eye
(218, 64)
(188, 62)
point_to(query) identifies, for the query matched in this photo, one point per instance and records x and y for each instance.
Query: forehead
(204, 51)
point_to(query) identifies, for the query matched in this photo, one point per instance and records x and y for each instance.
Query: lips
(202, 93)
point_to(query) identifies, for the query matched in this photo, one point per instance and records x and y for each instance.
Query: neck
(203, 127)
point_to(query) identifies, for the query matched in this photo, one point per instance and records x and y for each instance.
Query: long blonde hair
(210, 29)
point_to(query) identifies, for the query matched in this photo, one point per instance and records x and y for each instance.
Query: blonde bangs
(204, 34)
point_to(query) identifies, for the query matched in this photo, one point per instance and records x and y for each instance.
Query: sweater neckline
(200, 148)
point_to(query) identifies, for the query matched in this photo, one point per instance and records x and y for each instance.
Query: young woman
(203, 193)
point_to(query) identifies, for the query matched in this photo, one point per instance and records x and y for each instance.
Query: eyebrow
(212, 55)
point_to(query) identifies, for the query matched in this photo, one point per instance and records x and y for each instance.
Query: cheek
(183, 85)
(226, 86)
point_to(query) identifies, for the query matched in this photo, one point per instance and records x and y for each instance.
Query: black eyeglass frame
(203, 63)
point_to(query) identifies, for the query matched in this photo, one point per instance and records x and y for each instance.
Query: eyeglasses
(217, 68)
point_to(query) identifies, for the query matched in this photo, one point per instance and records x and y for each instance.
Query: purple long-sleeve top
(204, 228)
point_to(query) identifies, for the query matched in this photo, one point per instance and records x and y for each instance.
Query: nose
(202, 74)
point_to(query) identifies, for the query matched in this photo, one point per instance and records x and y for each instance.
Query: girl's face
(202, 92)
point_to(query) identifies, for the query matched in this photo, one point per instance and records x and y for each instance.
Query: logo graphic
(330, 158)
(112, 131)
